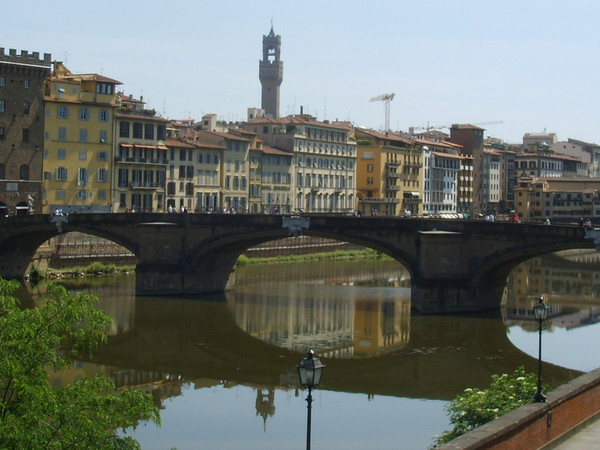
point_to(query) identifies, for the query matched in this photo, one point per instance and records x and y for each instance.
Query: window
(47, 175)
(370, 181)
(61, 174)
(149, 131)
(124, 129)
(60, 194)
(102, 156)
(82, 176)
(136, 177)
(104, 88)
(103, 136)
(137, 130)
(102, 194)
(161, 132)
(62, 134)
(2, 106)
(62, 153)
(25, 134)
(171, 188)
(2, 171)
(81, 194)
(26, 84)
(2, 134)
(370, 167)
(63, 112)
(123, 177)
(83, 135)
(24, 172)
(2, 81)
(82, 155)
(84, 114)
(103, 115)
(26, 106)
(102, 175)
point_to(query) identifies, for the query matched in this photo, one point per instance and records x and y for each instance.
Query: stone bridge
(455, 265)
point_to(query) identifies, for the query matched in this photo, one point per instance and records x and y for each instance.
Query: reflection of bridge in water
(201, 340)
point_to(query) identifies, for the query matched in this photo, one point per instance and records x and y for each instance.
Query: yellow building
(78, 141)
(388, 174)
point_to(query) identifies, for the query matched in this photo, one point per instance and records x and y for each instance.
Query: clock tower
(270, 74)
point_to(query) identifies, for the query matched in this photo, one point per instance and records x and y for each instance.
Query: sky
(511, 67)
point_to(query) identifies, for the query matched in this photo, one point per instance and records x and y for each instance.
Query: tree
(85, 414)
(475, 407)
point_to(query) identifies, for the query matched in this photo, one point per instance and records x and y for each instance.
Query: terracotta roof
(90, 77)
(275, 151)
(447, 155)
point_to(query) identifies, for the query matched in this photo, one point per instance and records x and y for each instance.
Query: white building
(325, 160)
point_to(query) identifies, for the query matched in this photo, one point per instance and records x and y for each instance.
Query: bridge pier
(175, 279)
(455, 297)
(442, 277)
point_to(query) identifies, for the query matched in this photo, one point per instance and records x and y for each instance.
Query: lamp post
(310, 370)
(540, 311)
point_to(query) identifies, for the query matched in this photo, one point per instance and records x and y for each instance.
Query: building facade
(470, 138)
(21, 130)
(79, 140)
(557, 199)
(388, 174)
(324, 160)
(140, 158)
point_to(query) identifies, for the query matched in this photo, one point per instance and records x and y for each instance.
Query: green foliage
(365, 253)
(85, 414)
(475, 407)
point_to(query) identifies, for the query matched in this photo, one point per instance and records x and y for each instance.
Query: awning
(126, 145)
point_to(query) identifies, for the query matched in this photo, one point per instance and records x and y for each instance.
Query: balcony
(139, 185)
(133, 160)
(385, 200)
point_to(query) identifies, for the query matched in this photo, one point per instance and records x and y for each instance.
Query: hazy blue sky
(534, 65)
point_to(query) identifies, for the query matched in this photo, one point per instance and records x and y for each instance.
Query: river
(224, 367)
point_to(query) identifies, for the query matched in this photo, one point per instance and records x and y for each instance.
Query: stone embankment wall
(539, 425)
(78, 249)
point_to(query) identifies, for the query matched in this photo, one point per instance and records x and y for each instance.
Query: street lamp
(540, 312)
(310, 370)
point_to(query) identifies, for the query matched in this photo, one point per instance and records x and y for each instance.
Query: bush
(475, 407)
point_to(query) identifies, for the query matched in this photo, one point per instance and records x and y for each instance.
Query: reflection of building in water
(116, 298)
(325, 318)
(569, 282)
(265, 404)
(380, 327)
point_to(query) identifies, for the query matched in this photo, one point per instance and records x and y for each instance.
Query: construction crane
(387, 98)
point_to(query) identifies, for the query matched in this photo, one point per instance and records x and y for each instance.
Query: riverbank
(94, 269)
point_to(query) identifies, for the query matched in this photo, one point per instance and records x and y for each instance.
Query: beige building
(324, 160)
(557, 199)
(234, 168)
(140, 158)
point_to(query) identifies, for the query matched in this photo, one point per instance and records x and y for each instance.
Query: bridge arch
(455, 265)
